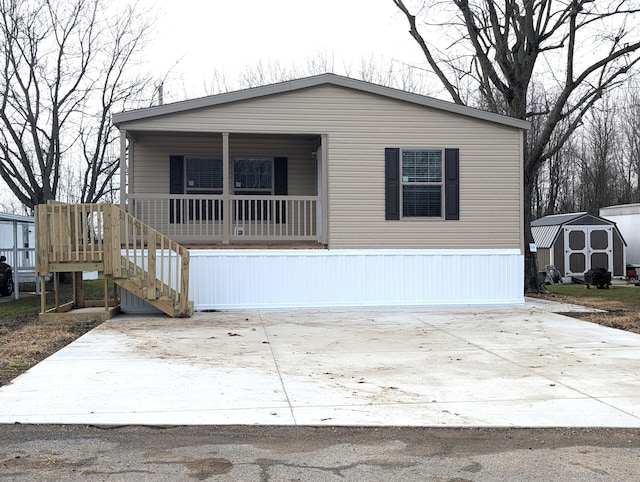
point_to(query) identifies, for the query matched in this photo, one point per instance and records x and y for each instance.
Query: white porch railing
(208, 219)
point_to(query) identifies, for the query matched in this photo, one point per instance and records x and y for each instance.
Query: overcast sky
(230, 35)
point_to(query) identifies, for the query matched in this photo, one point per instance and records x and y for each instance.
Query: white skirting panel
(241, 279)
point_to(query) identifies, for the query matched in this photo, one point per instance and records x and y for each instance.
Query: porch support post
(325, 188)
(123, 169)
(226, 201)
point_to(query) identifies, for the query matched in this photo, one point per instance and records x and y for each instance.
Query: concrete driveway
(521, 366)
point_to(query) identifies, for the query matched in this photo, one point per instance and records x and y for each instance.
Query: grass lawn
(621, 303)
(624, 294)
(25, 341)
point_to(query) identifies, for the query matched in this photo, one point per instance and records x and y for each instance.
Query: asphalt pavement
(243, 453)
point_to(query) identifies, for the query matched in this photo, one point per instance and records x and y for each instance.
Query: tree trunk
(531, 283)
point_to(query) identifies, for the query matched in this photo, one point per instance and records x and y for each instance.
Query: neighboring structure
(627, 218)
(576, 242)
(17, 244)
(389, 198)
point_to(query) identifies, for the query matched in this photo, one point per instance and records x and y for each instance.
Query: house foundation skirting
(245, 279)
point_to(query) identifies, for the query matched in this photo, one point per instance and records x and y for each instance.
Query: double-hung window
(422, 182)
(203, 175)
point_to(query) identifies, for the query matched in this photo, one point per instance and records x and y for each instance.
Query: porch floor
(256, 246)
(521, 366)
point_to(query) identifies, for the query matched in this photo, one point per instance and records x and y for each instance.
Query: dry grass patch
(28, 341)
(621, 320)
(621, 304)
(25, 341)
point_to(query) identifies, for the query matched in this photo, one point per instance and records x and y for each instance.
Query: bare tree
(630, 118)
(599, 159)
(388, 72)
(62, 73)
(584, 48)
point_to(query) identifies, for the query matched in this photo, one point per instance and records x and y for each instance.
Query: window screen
(203, 174)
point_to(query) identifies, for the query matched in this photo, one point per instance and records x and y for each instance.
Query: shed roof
(545, 230)
(544, 236)
(557, 219)
(314, 81)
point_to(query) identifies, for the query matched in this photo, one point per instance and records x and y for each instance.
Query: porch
(203, 188)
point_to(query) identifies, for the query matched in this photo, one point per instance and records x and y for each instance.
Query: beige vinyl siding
(151, 163)
(359, 127)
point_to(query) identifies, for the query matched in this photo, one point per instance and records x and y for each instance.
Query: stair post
(151, 265)
(184, 283)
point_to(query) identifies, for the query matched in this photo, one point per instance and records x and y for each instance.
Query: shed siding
(619, 264)
(544, 258)
(558, 253)
(359, 127)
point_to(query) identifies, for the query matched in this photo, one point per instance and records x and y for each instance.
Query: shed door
(587, 247)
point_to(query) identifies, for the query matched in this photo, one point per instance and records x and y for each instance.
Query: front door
(587, 247)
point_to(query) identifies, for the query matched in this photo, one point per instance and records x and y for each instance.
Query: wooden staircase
(103, 237)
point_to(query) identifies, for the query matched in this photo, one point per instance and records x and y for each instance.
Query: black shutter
(392, 182)
(452, 184)
(176, 186)
(280, 186)
(280, 176)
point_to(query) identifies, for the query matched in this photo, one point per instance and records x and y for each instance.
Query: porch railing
(211, 219)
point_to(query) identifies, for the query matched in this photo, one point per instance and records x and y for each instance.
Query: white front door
(587, 247)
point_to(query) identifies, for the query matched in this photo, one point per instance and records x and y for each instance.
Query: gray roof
(557, 219)
(307, 82)
(620, 209)
(16, 217)
(544, 236)
(545, 230)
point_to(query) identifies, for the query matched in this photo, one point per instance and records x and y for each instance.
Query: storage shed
(577, 242)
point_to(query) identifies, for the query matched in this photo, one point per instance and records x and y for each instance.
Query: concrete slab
(521, 366)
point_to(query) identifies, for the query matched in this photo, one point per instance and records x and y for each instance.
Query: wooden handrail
(153, 256)
(76, 236)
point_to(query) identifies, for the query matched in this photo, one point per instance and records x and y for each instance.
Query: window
(421, 180)
(422, 183)
(203, 175)
(194, 175)
(252, 176)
